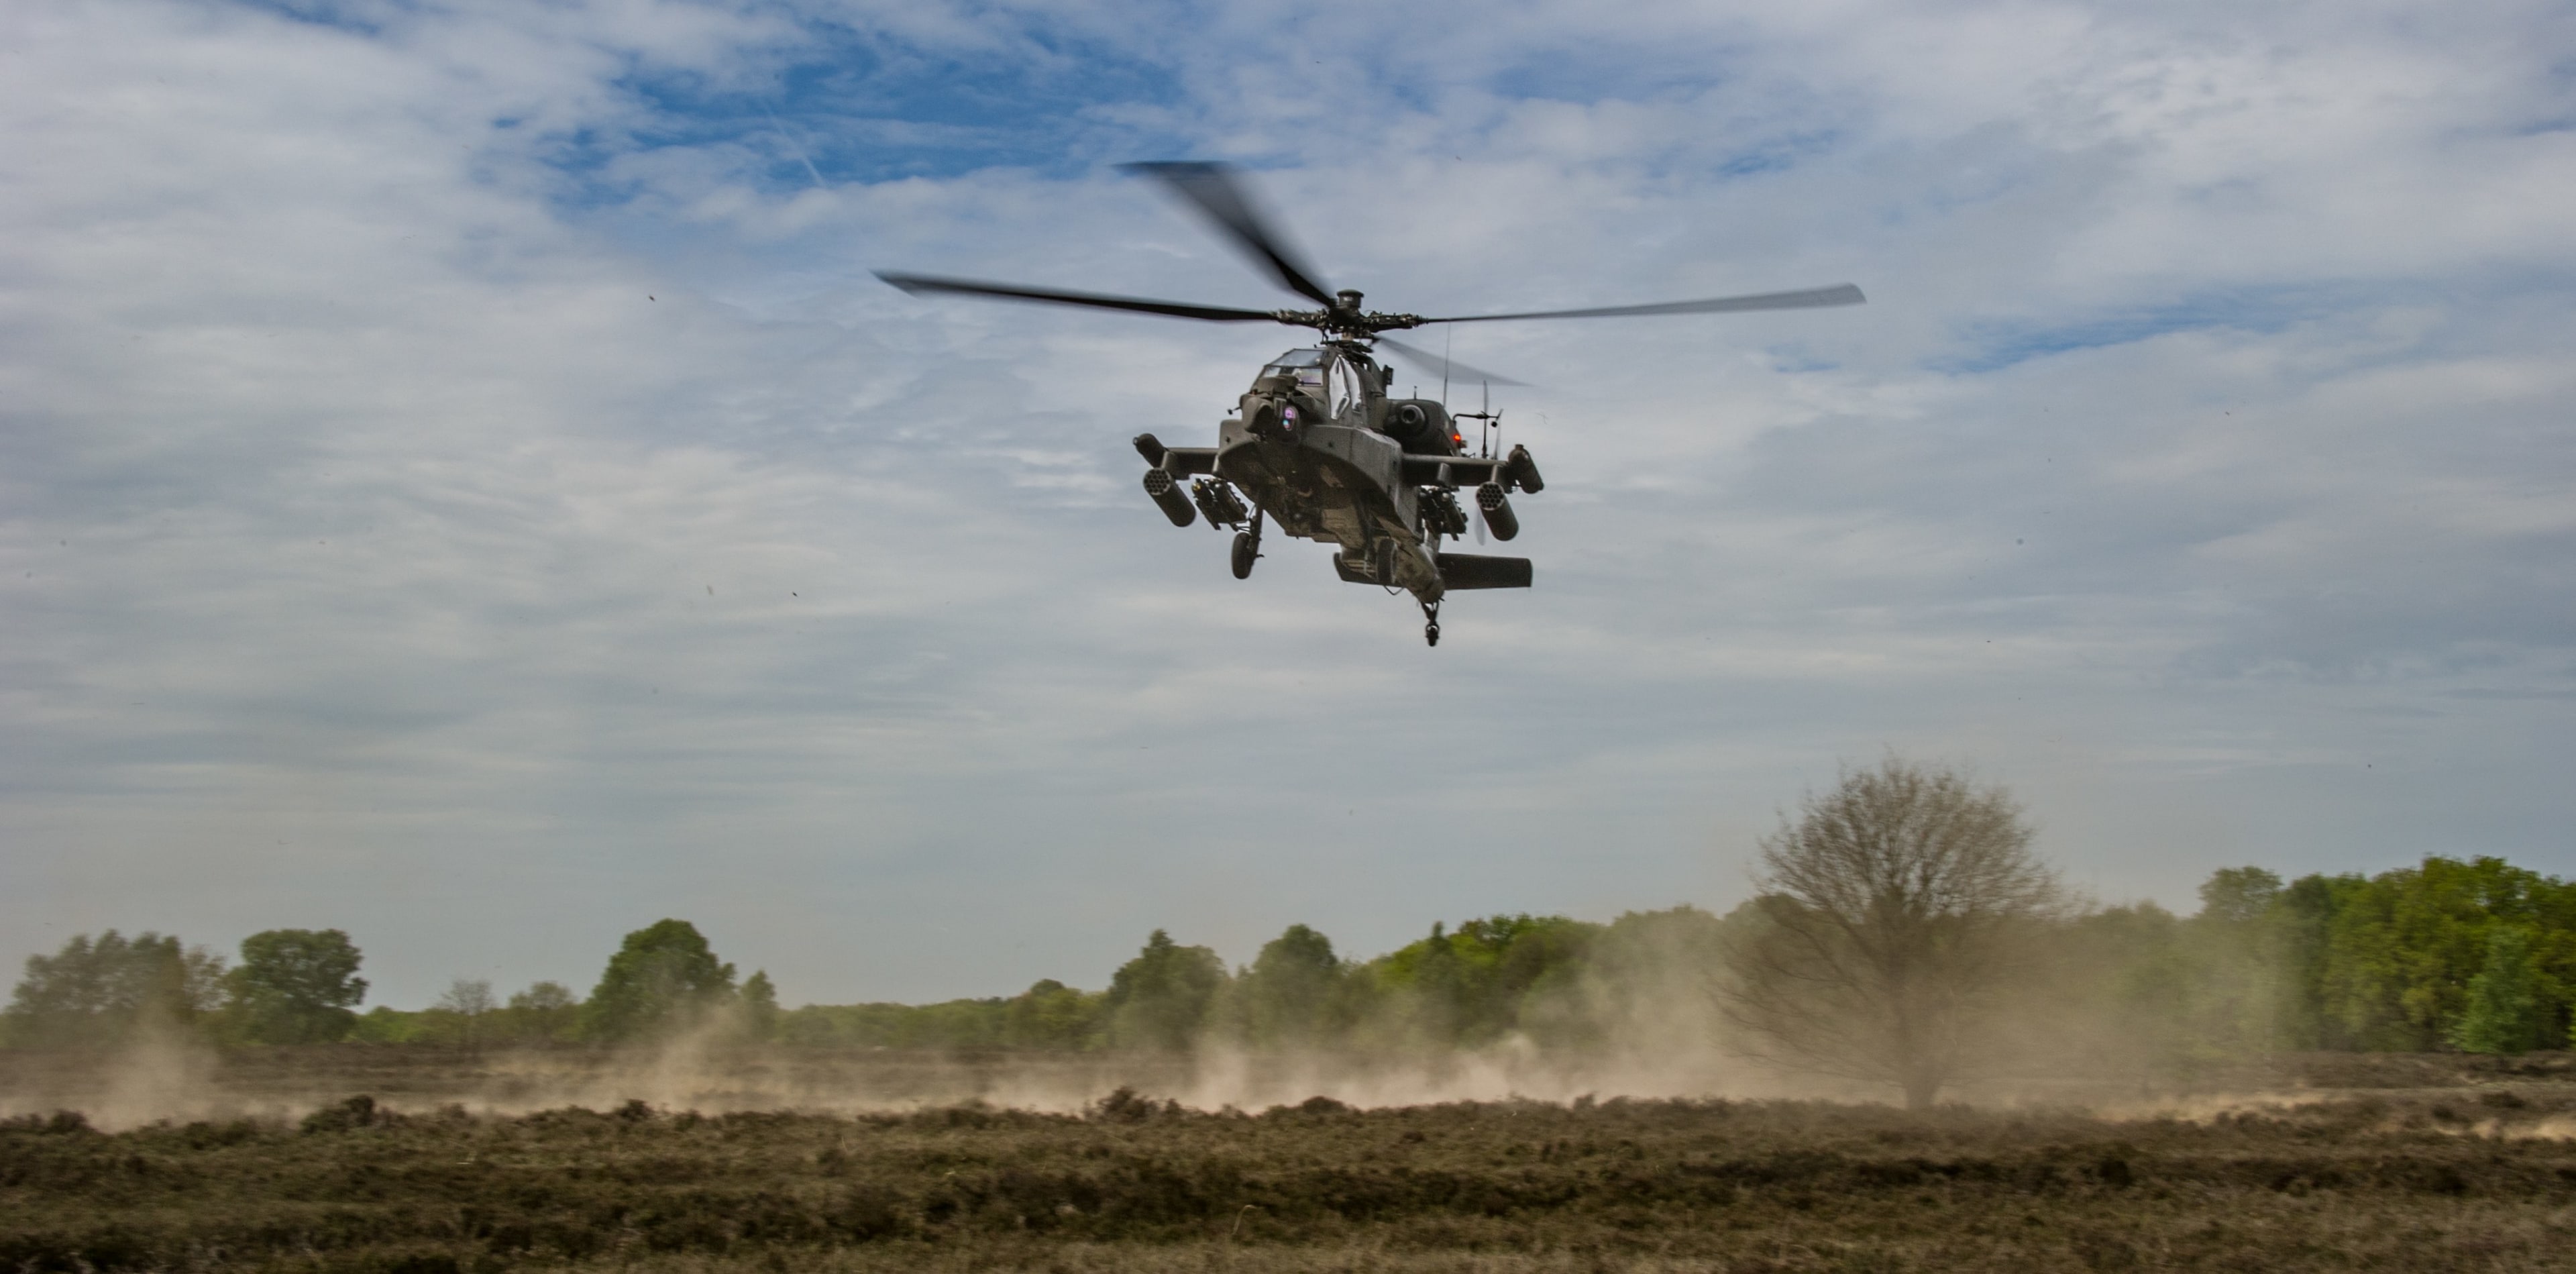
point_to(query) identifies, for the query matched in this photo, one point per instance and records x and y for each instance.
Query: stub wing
(1465, 471)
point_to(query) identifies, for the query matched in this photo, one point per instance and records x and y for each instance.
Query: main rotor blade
(1217, 191)
(1840, 294)
(1453, 369)
(918, 284)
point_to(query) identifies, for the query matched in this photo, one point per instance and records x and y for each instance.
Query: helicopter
(1319, 446)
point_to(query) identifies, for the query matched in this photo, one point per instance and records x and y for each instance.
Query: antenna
(1489, 422)
(1485, 436)
(1446, 336)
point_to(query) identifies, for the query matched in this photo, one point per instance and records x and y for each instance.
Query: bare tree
(470, 999)
(467, 997)
(1891, 911)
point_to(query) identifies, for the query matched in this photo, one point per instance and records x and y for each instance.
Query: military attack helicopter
(1317, 445)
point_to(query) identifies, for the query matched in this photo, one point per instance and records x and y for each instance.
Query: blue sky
(460, 483)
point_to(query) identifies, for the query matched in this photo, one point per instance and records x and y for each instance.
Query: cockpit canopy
(1305, 366)
(1325, 375)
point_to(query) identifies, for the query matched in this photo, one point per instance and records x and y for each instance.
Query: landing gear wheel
(1431, 634)
(1246, 550)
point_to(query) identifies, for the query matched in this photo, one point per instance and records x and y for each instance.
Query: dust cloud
(170, 1076)
(1642, 1050)
(1636, 1039)
(1645, 1023)
(152, 1082)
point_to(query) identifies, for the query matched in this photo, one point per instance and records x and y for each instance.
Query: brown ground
(2402, 1164)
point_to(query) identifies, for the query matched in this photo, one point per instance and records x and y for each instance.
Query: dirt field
(2404, 1164)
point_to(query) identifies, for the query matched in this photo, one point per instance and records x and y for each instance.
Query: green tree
(545, 1013)
(2505, 1012)
(2239, 895)
(2138, 987)
(2132, 989)
(1051, 1015)
(2244, 951)
(1160, 999)
(296, 986)
(2305, 919)
(663, 977)
(1641, 984)
(1468, 987)
(1294, 993)
(1429, 991)
(385, 1024)
(760, 1006)
(98, 990)
(2400, 949)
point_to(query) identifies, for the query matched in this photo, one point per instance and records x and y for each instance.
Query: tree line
(301, 986)
(1903, 933)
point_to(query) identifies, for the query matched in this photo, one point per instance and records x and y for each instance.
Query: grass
(2408, 1179)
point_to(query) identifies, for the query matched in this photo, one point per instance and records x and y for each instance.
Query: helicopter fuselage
(1338, 484)
(1324, 454)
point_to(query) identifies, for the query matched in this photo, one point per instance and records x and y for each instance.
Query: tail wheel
(1246, 551)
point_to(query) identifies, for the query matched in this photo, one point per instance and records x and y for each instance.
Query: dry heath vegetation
(2464, 1178)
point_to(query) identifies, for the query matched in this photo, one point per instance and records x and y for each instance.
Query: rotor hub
(1347, 321)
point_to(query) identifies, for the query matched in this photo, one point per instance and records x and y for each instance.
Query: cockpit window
(1346, 387)
(1305, 366)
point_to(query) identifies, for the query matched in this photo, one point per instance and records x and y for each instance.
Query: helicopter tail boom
(1457, 571)
(1469, 570)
